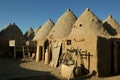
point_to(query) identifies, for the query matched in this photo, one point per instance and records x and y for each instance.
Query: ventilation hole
(80, 25)
(69, 42)
(92, 19)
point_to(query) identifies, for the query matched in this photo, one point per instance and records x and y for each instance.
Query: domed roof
(11, 31)
(29, 34)
(44, 30)
(63, 25)
(86, 25)
(111, 25)
(89, 24)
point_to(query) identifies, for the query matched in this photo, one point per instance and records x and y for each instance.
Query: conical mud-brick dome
(44, 31)
(29, 34)
(63, 26)
(111, 25)
(89, 24)
(12, 32)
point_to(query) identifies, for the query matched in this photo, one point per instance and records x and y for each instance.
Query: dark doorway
(104, 57)
(46, 46)
(41, 51)
(112, 59)
(118, 57)
(115, 58)
(11, 52)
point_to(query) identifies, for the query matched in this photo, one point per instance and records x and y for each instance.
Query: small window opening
(80, 25)
(92, 19)
(68, 42)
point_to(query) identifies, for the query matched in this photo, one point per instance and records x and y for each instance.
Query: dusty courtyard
(11, 69)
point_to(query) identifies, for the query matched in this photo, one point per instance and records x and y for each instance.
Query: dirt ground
(11, 69)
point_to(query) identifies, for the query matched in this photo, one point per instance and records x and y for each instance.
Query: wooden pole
(14, 52)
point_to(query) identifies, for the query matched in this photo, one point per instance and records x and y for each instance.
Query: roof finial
(14, 23)
(87, 9)
(110, 16)
(68, 9)
(50, 19)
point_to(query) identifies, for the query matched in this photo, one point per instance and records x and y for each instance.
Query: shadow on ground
(41, 77)
(11, 70)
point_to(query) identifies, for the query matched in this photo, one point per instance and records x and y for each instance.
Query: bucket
(77, 71)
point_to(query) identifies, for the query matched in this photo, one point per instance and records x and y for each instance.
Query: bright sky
(34, 13)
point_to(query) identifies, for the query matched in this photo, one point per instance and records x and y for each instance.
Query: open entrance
(11, 51)
(41, 50)
(115, 58)
(46, 45)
